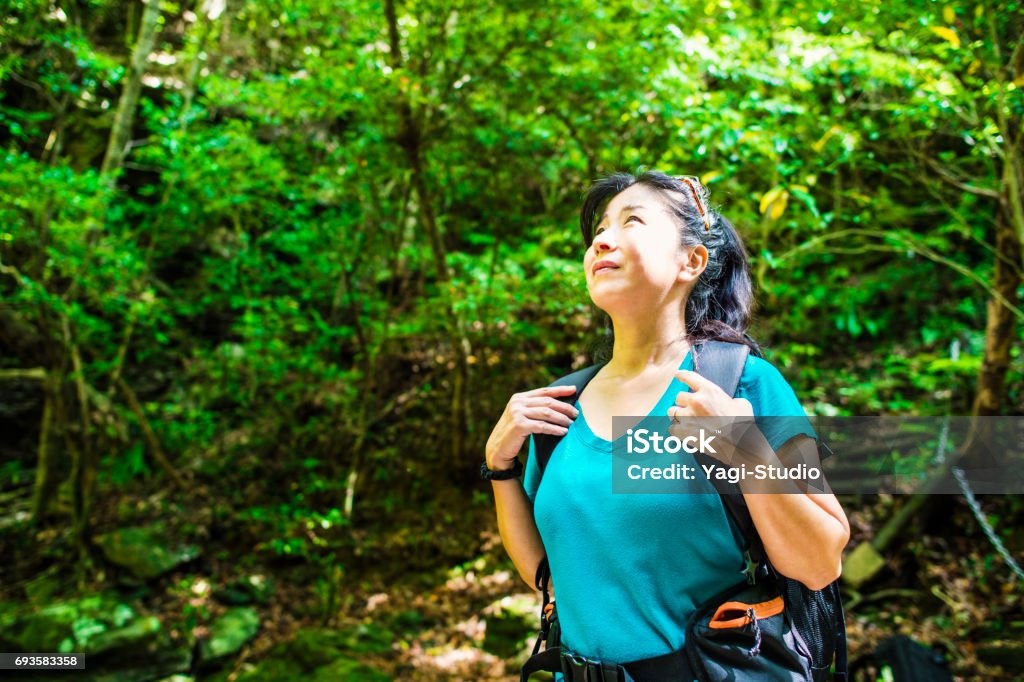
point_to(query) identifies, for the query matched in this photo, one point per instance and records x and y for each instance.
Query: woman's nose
(603, 242)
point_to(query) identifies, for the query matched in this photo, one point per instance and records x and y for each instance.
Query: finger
(677, 413)
(548, 415)
(679, 426)
(684, 399)
(554, 404)
(695, 381)
(536, 426)
(552, 390)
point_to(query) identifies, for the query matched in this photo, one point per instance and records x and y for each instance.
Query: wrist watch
(489, 474)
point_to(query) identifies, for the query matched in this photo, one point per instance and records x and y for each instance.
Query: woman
(670, 272)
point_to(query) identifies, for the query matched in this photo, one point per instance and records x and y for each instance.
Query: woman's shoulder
(763, 384)
(759, 370)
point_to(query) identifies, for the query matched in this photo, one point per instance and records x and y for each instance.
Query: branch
(963, 270)
(147, 430)
(11, 271)
(913, 245)
(951, 179)
(811, 243)
(37, 373)
(944, 174)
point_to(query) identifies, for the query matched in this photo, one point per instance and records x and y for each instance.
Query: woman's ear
(694, 263)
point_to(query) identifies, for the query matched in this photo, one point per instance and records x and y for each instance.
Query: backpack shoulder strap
(722, 363)
(544, 443)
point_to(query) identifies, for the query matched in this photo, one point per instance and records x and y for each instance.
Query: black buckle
(577, 668)
(574, 667)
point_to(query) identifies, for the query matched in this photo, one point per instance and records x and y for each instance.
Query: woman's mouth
(604, 265)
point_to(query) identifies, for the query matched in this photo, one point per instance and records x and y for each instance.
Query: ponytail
(721, 304)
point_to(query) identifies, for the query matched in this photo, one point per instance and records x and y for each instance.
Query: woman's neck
(640, 345)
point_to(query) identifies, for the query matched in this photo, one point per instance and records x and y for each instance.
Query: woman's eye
(632, 218)
(598, 231)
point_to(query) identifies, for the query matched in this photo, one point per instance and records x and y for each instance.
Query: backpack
(907, 661)
(816, 615)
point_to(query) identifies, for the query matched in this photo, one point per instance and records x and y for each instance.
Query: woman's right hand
(536, 411)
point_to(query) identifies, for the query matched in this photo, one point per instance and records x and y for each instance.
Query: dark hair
(721, 304)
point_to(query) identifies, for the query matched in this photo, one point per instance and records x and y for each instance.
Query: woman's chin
(613, 301)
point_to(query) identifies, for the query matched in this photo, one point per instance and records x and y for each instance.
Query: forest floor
(473, 621)
(969, 598)
(953, 616)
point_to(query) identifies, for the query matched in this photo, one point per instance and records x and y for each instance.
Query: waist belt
(670, 667)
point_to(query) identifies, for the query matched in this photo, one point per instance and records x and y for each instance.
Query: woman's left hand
(706, 408)
(706, 399)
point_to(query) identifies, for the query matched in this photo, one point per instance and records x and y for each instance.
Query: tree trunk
(119, 134)
(46, 479)
(410, 138)
(1000, 334)
(83, 456)
(1000, 327)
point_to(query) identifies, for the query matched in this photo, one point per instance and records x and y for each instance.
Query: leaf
(779, 205)
(947, 33)
(768, 197)
(710, 177)
(820, 144)
(774, 200)
(853, 325)
(949, 14)
(802, 193)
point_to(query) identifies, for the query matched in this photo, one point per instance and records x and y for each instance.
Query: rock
(97, 624)
(230, 632)
(120, 644)
(44, 630)
(129, 638)
(166, 665)
(144, 552)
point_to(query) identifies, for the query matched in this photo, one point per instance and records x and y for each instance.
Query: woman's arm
(517, 528)
(804, 534)
(536, 411)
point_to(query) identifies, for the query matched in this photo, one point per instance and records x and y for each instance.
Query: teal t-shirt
(629, 569)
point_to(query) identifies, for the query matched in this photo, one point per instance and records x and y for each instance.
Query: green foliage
(263, 274)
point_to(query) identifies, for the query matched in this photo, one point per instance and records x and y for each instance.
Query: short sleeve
(777, 410)
(531, 474)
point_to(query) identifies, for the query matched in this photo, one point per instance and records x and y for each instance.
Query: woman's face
(636, 256)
